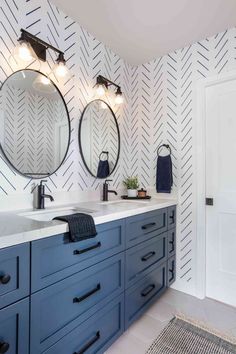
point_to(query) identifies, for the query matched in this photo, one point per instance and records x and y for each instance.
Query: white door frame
(200, 129)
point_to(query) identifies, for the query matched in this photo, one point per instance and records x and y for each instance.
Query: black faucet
(42, 195)
(106, 190)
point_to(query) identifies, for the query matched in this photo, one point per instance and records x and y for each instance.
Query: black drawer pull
(88, 249)
(148, 255)
(4, 348)
(85, 296)
(148, 290)
(89, 344)
(171, 242)
(4, 279)
(172, 217)
(147, 226)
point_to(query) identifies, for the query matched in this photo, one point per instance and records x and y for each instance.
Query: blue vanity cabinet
(14, 273)
(94, 335)
(14, 328)
(55, 309)
(141, 227)
(81, 296)
(56, 258)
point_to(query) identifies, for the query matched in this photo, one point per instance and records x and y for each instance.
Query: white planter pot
(132, 193)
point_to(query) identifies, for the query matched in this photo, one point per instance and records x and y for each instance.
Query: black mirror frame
(79, 138)
(69, 125)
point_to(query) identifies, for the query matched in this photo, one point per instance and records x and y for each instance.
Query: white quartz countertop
(16, 228)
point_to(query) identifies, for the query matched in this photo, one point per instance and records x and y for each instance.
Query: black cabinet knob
(4, 347)
(4, 279)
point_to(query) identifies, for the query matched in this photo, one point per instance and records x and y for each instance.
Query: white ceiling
(141, 30)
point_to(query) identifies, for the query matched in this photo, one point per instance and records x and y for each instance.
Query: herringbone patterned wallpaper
(160, 106)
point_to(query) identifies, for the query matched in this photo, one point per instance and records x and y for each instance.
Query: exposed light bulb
(119, 99)
(61, 70)
(23, 52)
(100, 90)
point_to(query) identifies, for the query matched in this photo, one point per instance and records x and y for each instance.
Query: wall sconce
(102, 86)
(30, 48)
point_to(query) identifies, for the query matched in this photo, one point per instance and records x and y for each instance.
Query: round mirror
(34, 124)
(99, 139)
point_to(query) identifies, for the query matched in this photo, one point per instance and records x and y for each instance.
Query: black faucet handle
(107, 180)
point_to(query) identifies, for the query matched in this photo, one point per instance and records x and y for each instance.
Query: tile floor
(141, 334)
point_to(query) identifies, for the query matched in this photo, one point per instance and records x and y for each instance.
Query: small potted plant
(132, 185)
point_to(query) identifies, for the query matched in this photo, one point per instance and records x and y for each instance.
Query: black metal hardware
(4, 347)
(39, 46)
(209, 201)
(148, 290)
(148, 226)
(163, 145)
(106, 190)
(42, 195)
(89, 344)
(172, 217)
(105, 153)
(85, 296)
(148, 256)
(88, 248)
(101, 80)
(4, 279)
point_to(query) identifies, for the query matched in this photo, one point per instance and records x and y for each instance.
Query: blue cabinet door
(142, 227)
(54, 309)
(140, 258)
(14, 273)
(145, 292)
(55, 258)
(94, 335)
(14, 328)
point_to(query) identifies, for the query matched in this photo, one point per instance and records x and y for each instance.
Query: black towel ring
(164, 145)
(104, 152)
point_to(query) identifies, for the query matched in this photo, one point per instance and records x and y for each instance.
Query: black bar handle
(148, 290)
(4, 279)
(148, 255)
(4, 347)
(88, 249)
(172, 217)
(85, 296)
(147, 226)
(89, 344)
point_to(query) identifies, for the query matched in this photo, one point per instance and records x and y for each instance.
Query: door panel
(221, 185)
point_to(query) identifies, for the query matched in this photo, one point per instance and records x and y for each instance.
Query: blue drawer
(140, 258)
(171, 270)
(53, 308)
(140, 228)
(172, 217)
(144, 293)
(14, 274)
(14, 328)
(55, 258)
(171, 242)
(94, 335)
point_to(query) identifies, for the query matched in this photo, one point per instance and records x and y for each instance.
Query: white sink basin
(48, 215)
(125, 203)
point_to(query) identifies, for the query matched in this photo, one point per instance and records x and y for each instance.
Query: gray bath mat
(183, 337)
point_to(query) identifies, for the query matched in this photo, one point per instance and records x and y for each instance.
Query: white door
(221, 186)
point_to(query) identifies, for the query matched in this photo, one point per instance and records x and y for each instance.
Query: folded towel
(103, 169)
(164, 177)
(81, 226)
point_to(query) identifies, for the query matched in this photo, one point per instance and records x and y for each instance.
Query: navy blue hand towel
(103, 169)
(81, 226)
(164, 177)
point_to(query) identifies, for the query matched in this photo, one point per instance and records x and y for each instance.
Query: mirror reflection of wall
(35, 128)
(99, 138)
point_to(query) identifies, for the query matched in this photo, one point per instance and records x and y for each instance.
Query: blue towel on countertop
(103, 169)
(164, 176)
